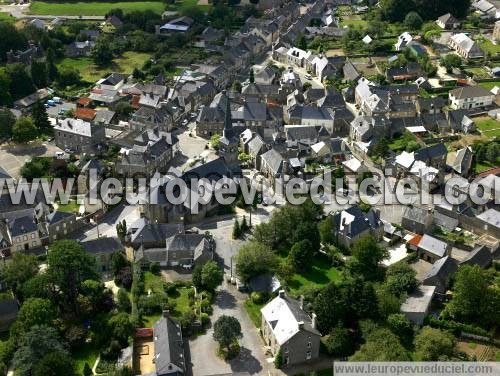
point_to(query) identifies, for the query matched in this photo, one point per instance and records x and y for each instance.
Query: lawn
(477, 72)
(93, 8)
(91, 73)
(399, 144)
(320, 274)
(253, 310)
(354, 22)
(87, 354)
(487, 46)
(5, 17)
(180, 6)
(71, 207)
(488, 126)
(153, 282)
(489, 85)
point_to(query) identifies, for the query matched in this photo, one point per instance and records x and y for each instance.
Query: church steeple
(229, 141)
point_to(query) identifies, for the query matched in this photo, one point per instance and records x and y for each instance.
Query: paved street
(13, 157)
(204, 360)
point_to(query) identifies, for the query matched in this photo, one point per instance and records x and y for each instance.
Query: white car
(59, 154)
(308, 77)
(185, 122)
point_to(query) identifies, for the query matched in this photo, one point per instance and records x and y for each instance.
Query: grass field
(90, 72)
(5, 17)
(71, 207)
(488, 126)
(489, 85)
(253, 310)
(185, 4)
(93, 8)
(487, 46)
(320, 274)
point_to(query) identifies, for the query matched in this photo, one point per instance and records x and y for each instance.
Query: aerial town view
(249, 187)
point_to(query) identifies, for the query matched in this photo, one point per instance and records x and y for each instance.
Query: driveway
(13, 157)
(203, 349)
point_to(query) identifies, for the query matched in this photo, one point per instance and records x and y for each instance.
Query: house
(440, 273)
(153, 150)
(465, 46)
(114, 22)
(153, 235)
(417, 305)
(85, 114)
(480, 255)
(462, 163)
(8, 313)
(32, 52)
(79, 49)
(78, 135)
(433, 105)
(24, 234)
(180, 250)
(60, 224)
(102, 249)
(26, 104)
(265, 75)
(468, 97)
(448, 22)
(417, 220)
(352, 224)
(289, 331)
(179, 25)
(490, 221)
(271, 165)
(169, 359)
(431, 249)
(411, 71)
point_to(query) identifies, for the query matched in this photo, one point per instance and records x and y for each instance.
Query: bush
(258, 297)
(339, 343)
(170, 288)
(155, 268)
(456, 327)
(112, 351)
(153, 304)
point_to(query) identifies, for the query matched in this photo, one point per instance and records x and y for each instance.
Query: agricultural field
(92, 8)
(89, 71)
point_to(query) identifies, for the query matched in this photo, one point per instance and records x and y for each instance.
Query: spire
(228, 120)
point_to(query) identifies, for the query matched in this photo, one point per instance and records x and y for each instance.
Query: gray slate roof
(169, 347)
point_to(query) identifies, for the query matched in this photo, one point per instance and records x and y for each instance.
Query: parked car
(308, 76)
(185, 122)
(59, 154)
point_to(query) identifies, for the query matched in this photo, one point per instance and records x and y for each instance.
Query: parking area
(60, 109)
(13, 157)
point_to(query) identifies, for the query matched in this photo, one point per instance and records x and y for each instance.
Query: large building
(289, 331)
(469, 97)
(78, 136)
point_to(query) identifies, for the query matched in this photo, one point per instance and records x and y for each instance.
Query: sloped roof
(433, 245)
(481, 255)
(169, 347)
(284, 315)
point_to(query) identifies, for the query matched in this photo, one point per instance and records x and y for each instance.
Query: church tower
(228, 148)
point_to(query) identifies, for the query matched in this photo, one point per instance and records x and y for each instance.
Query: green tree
(236, 87)
(413, 21)
(24, 130)
(339, 342)
(226, 330)
(381, 345)
(68, 267)
(215, 141)
(34, 345)
(7, 120)
(401, 279)
(41, 118)
(123, 301)
(36, 311)
(387, 303)
(236, 229)
(475, 298)
(39, 74)
(5, 96)
(121, 327)
(253, 259)
(211, 276)
(301, 255)
(434, 344)
(101, 54)
(367, 255)
(301, 42)
(87, 371)
(52, 71)
(21, 84)
(451, 61)
(21, 268)
(401, 326)
(55, 364)
(68, 77)
(325, 228)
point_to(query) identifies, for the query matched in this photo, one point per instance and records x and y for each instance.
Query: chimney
(301, 302)
(281, 294)
(313, 320)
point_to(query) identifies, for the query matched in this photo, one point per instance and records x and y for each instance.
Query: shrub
(339, 342)
(258, 297)
(155, 268)
(169, 288)
(153, 304)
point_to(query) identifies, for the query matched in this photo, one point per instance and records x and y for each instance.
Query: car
(46, 105)
(61, 111)
(241, 286)
(187, 266)
(59, 154)
(51, 103)
(308, 77)
(69, 151)
(57, 100)
(185, 122)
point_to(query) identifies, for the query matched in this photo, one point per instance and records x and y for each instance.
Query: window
(286, 350)
(308, 355)
(287, 360)
(25, 237)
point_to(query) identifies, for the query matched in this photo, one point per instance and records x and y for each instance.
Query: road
(21, 12)
(252, 359)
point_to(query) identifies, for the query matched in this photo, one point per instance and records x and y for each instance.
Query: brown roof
(415, 240)
(86, 114)
(84, 101)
